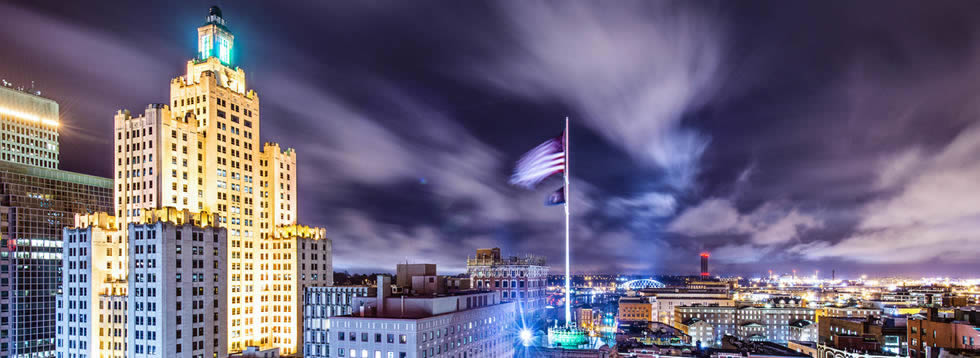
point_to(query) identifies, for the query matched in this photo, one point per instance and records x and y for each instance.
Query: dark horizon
(807, 136)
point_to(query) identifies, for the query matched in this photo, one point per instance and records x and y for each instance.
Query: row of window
(365, 337)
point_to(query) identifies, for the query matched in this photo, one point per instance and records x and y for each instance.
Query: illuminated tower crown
(215, 54)
(214, 39)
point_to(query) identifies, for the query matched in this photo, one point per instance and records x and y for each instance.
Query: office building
(853, 312)
(921, 296)
(35, 204)
(721, 284)
(37, 201)
(750, 323)
(584, 318)
(635, 310)
(28, 128)
(518, 279)
(201, 151)
(465, 324)
(177, 291)
(665, 300)
(293, 258)
(321, 303)
(154, 288)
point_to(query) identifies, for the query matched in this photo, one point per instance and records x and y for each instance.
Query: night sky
(776, 135)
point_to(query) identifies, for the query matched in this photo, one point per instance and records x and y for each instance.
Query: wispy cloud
(934, 213)
(768, 227)
(631, 68)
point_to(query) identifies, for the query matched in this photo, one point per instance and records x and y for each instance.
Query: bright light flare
(28, 116)
(526, 336)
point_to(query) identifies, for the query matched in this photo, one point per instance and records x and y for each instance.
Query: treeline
(347, 279)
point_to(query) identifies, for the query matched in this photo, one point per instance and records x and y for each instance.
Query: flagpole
(568, 277)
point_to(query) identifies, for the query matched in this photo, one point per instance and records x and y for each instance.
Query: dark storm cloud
(806, 135)
(857, 106)
(89, 71)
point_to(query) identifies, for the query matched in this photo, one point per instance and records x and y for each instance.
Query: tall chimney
(704, 265)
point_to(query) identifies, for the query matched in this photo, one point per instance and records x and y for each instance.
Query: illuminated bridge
(640, 284)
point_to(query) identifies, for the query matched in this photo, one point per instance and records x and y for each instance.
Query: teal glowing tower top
(214, 39)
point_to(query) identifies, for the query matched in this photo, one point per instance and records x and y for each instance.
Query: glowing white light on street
(526, 336)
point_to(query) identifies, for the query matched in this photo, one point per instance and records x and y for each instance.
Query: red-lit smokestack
(704, 265)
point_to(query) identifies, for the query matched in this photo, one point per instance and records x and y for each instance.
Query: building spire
(214, 16)
(214, 39)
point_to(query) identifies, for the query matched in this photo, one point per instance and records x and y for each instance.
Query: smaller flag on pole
(556, 198)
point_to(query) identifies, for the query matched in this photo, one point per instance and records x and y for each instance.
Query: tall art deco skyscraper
(201, 152)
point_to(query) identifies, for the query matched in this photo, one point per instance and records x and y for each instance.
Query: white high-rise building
(91, 311)
(201, 151)
(177, 293)
(466, 324)
(161, 293)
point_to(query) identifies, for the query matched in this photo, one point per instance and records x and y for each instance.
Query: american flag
(540, 163)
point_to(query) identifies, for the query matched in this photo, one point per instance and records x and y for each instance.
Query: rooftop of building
(805, 343)
(866, 353)
(853, 307)
(632, 345)
(846, 318)
(420, 306)
(731, 344)
(969, 315)
(492, 257)
(691, 321)
(801, 323)
(959, 353)
(56, 174)
(632, 299)
(9, 86)
(333, 287)
(708, 290)
(527, 260)
(438, 295)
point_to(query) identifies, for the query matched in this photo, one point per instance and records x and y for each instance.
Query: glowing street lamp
(526, 336)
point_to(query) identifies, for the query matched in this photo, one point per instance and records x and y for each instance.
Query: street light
(526, 336)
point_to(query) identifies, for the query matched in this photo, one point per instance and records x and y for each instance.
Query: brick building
(872, 334)
(927, 336)
(518, 279)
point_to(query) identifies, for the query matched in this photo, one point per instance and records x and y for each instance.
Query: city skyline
(853, 150)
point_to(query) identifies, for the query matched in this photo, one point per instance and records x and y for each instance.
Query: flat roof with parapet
(57, 174)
